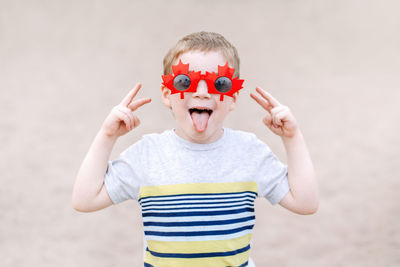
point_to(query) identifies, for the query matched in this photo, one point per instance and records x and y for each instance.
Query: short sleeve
(122, 179)
(273, 176)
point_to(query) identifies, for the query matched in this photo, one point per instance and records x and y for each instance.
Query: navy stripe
(198, 208)
(199, 255)
(196, 203)
(199, 223)
(244, 264)
(200, 233)
(196, 213)
(215, 194)
(148, 265)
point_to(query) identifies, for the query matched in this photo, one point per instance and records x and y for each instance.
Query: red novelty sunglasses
(184, 81)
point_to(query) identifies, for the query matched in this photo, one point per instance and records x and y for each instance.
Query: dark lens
(223, 84)
(181, 82)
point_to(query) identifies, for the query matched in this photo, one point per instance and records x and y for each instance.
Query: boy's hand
(121, 119)
(279, 119)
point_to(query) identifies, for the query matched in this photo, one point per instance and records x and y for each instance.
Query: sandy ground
(65, 64)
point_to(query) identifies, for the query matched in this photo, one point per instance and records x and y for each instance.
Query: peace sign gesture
(279, 118)
(121, 119)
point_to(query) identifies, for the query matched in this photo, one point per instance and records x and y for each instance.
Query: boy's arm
(89, 193)
(303, 195)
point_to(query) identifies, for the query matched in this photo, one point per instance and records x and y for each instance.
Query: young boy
(197, 183)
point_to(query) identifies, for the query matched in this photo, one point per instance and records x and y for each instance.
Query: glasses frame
(209, 78)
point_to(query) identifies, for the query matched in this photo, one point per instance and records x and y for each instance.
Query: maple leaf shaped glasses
(184, 81)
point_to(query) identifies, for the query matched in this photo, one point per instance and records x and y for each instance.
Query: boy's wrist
(107, 137)
(296, 138)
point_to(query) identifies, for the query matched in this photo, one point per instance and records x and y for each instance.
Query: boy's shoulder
(240, 133)
(246, 141)
(149, 140)
(242, 136)
(158, 136)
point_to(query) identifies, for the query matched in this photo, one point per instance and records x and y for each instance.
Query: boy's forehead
(202, 61)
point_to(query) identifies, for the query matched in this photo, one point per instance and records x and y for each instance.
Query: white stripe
(198, 238)
(195, 201)
(198, 196)
(199, 205)
(198, 228)
(198, 218)
(200, 209)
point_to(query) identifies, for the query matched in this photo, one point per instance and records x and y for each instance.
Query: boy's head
(198, 110)
(204, 42)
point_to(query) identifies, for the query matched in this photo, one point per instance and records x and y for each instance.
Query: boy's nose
(202, 90)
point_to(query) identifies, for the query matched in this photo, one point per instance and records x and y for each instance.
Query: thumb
(136, 121)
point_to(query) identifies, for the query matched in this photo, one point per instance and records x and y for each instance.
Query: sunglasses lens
(181, 82)
(223, 84)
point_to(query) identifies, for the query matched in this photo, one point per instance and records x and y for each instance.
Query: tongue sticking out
(200, 120)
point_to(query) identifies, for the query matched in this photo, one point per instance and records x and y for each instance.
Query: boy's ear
(165, 93)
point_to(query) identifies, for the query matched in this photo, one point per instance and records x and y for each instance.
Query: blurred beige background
(65, 64)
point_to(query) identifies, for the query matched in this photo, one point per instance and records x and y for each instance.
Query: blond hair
(205, 42)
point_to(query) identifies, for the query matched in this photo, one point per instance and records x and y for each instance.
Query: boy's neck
(200, 138)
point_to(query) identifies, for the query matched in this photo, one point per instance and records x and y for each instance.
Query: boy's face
(200, 115)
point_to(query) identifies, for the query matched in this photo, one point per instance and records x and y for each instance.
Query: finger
(138, 103)
(263, 103)
(268, 120)
(278, 114)
(123, 117)
(281, 117)
(268, 97)
(275, 111)
(132, 93)
(130, 115)
(136, 121)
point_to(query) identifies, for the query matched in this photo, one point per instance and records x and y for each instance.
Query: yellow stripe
(235, 260)
(199, 246)
(197, 188)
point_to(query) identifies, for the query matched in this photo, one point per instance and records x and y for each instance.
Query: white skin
(199, 61)
(89, 192)
(303, 195)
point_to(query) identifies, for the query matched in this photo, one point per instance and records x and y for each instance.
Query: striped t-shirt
(197, 200)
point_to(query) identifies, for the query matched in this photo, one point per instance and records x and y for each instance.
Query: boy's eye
(181, 82)
(223, 84)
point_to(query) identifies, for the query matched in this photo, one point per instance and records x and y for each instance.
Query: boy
(197, 183)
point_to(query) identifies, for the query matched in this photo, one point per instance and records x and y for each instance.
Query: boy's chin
(206, 136)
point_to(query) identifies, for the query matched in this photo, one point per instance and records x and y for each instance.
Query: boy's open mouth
(200, 117)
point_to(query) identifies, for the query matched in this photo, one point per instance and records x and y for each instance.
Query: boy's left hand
(279, 119)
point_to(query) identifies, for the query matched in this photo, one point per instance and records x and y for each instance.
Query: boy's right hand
(121, 119)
